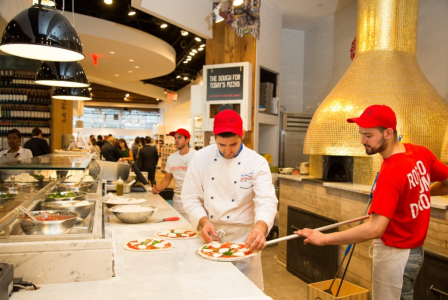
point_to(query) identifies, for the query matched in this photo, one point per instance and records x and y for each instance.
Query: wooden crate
(348, 291)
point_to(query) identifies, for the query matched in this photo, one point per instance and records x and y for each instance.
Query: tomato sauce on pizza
(225, 250)
(148, 244)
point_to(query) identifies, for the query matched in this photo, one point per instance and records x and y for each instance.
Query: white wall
(293, 54)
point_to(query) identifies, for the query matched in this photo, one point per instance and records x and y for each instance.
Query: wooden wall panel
(61, 121)
(227, 47)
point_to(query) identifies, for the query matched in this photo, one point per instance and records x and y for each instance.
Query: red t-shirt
(402, 195)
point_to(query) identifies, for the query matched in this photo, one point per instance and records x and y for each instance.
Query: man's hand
(208, 230)
(155, 189)
(312, 236)
(256, 240)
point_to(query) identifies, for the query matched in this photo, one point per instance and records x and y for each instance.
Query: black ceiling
(118, 12)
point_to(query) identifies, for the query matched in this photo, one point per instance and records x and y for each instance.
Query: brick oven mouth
(337, 168)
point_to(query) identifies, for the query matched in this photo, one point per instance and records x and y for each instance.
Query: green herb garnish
(6, 196)
(145, 242)
(227, 253)
(155, 242)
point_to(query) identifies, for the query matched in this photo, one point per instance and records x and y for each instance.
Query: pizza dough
(147, 245)
(177, 234)
(225, 251)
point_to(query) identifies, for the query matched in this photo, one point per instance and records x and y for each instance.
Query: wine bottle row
(25, 111)
(19, 78)
(25, 127)
(25, 96)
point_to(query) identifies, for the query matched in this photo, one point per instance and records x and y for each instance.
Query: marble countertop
(175, 274)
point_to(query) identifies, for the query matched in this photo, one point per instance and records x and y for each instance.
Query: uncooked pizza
(151, 245)
(177, 234)
(225, 251)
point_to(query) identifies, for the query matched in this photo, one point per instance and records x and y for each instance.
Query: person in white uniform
(13, 153)
(176, 167)
(228, 189)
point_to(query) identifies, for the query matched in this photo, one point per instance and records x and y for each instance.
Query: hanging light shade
(66, 74)
(42, 33)
(65, 93)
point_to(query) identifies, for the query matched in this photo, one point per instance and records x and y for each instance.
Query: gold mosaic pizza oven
(384, 71)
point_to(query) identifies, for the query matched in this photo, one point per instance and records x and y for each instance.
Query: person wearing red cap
(228, 189)
(176, 167)
(400, 210)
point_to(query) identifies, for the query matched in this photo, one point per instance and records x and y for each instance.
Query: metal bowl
(110, 203)
(74, 186)
(79, 196)
(83, 211)
(25, 187)
(133, 217)
(7, 195)
(31, 227)
(286, 171)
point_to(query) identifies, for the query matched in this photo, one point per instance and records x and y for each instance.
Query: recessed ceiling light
(164, 25)
(188, 56)
(188, 59)
(200, 49)
(185, 61)
(108, 1)
(131, 71)
(127, 95)
(185, 78)
(184, 32)
(112, 52)
(131, 13)
(237, 2)
(125, 98)
(131, 60)
(90, 88)
(194, 51)
(157, 100)
(137, 67)
(203, 45)
(178, 76)
(116, 74)
(197, 39)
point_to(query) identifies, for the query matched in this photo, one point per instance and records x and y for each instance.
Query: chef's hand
(155, 189)
(256, 240)
(208, 230)
(312, 236)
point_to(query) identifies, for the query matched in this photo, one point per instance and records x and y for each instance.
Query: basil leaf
(144, 242)
(227, 253)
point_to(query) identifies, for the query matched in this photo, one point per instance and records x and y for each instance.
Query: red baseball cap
(228, 121)
(181, 131)
(376, 115)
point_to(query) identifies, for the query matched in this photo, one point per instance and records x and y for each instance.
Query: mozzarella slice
(215, 244)
(141, 247)
(217, 255)
(179, 231)
(222, 250)
(234, 246)
(172, 234)
(243, 250)
(160, 245)
(185, 235)
(207, 250)
(238, 254)
(134, 243)
(164, 232)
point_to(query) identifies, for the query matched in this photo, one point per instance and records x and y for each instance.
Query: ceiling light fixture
(215, 12)
(178, 76)
(112, 52)
(137, 67)
(64, 93)
(197, 39)
(42, 33)
(66, 74)
(200, 49)
(108, 1)
(127, 95)
(237, 2)
(185, 78)
(131, 11)
(194, 51)
(203, 45)
(184, 32)
(131, 60)
(164, 25)
(185, 61)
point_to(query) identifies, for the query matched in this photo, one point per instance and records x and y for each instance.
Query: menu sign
(225, 83)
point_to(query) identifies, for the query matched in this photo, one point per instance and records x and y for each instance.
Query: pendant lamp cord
(63, 6)
(73, 12)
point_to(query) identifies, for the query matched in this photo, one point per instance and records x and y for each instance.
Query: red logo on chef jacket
(353, 49)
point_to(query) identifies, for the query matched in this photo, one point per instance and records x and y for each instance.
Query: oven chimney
(385, 71)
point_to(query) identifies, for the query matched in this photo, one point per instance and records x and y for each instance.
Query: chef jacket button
(211, 197)
(215, 159)
(233, 200)
(228, 217)
(213, 178)
(234, 182)
(239, 163)
(211, 217)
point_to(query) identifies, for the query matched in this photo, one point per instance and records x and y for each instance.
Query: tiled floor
(279, 284)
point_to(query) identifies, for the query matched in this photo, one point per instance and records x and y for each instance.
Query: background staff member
(13, 153)
(176, 167)
(229, 187)
(147, 160)
(400, 210)
(37, 144)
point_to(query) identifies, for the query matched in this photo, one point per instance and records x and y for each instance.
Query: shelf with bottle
(25, 127)
(25, 111)
(41, 97)
(20, 79)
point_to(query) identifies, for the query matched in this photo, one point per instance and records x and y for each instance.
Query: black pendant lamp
(42, 33)
(64, 93)
(65, 74)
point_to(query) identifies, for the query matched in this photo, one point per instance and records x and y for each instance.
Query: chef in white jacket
(228, 188)
(13, 153)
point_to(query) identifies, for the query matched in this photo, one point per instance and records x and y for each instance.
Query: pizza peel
(323, 228)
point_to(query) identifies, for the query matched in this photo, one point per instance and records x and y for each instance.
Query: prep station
(91, 258)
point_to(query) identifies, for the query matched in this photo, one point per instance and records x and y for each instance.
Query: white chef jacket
(234, 194)
(235, 191)
(6, 157)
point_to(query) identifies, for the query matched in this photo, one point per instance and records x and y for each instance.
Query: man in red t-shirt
(400, 210)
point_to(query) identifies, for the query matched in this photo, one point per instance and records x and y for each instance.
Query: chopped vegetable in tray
(62, 195)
